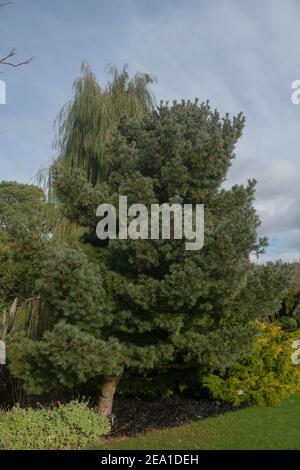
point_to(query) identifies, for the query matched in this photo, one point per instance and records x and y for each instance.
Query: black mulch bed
(135, 416)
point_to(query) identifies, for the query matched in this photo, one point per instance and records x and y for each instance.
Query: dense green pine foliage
(140, 304)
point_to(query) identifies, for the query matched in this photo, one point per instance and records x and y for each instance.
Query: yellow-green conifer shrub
(267, 376)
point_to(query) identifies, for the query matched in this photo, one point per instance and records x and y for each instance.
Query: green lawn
(252, 428)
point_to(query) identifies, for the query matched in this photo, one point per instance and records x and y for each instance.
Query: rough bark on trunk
(107, 392)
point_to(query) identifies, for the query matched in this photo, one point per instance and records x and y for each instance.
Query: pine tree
(143, 305)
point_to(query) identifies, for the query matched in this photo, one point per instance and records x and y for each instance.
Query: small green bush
(288, 323)
(266, 377)
(70, 426)
(296, 315)
(289, 302)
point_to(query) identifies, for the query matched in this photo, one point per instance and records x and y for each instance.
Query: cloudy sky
(242, 55)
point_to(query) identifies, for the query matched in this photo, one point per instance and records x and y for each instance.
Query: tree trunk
(107, 392)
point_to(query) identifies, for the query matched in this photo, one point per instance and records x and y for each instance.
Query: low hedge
(69, 426)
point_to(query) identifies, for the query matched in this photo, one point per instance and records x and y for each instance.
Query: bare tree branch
(13, 52)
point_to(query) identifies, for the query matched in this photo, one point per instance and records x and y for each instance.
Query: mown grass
(247, 429)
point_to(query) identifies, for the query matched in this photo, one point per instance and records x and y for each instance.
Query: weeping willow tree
(86, 123)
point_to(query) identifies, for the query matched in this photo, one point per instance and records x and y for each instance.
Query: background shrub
(288, 323)
(289, 314)
(296, 314)
(266, 376)
(70, 426)
(289, 302)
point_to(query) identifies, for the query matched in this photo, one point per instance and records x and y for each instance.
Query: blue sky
(242, 55)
